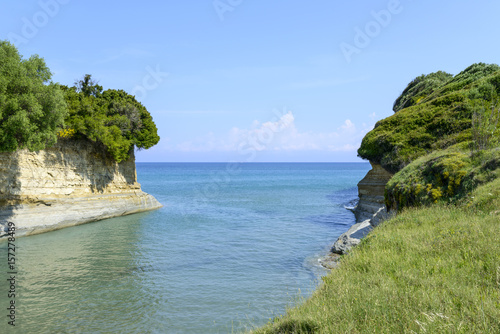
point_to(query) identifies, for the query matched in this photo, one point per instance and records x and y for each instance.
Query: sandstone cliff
(370, 210)
(371, 192)
(72, 183)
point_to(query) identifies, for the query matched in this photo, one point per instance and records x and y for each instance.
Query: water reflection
(85, 278)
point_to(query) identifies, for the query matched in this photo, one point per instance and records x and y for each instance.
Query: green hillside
(438, 117)
(443, 137)
(435, 267)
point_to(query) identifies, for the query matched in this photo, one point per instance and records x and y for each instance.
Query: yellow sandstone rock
(72, 183)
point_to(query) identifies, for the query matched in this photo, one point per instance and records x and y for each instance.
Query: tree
(88, 86)
(112, 117)
(32, 109)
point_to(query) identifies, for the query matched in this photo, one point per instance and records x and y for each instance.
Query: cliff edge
(440, 145)
(371, 191)
(71, 183)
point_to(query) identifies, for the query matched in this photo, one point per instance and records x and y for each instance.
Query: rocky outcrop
(358, 231)
(352, 237)
(370, 211)
(72, 183)
(371, 192)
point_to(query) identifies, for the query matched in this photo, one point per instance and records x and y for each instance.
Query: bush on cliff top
(421, 87)
(112, 117)
(434, 122)
(35, 111)
(441, 145)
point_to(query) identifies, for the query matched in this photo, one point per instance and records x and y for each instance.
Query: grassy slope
(446, 175)
(433, 268)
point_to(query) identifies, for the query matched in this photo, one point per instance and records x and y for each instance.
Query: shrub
(112, 117)
(420, 88)
(485, 126)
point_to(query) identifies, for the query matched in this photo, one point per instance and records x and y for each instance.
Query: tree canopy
(112, 117)
(34, 112)
(32, 109)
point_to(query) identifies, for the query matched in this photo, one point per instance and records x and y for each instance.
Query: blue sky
(255, 80)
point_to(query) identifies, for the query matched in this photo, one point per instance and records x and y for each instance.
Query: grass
(429, 270)
(435, 267)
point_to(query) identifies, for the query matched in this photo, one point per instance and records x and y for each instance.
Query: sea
(234, 245)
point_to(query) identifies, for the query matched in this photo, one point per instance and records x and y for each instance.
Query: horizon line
(254, 162)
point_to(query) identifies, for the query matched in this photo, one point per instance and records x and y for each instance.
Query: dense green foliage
(421, 87)
(435, 267)
(34, 112)
(112, 117)
(444, 145)
(31, 109)
(449, 175)
(438, 121)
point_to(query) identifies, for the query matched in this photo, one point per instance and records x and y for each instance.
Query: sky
(255, 80)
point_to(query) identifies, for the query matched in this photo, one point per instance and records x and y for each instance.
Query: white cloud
(280, 134)
(348, 126)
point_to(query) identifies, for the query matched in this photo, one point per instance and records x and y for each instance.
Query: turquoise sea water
(231, 248)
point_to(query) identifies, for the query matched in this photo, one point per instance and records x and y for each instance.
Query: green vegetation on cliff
(444, 143)
(420, 88)
(434, 121)
(34, 111)
(31, 107)
(448, 176)
(435, 267)
(112, 117)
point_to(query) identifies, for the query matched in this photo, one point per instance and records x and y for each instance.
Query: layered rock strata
(71, 183)
(371, 191)
(370, 211)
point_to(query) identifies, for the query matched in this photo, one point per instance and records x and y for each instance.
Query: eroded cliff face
(371, 192)
(72, 183)
(370, 211)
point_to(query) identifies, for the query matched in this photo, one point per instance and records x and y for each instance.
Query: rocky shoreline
(369, 212)
(50, 215)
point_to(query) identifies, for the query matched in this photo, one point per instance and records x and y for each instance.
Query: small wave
(351, 205)
(350, 208)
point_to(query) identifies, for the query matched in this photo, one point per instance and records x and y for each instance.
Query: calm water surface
(231, 248)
